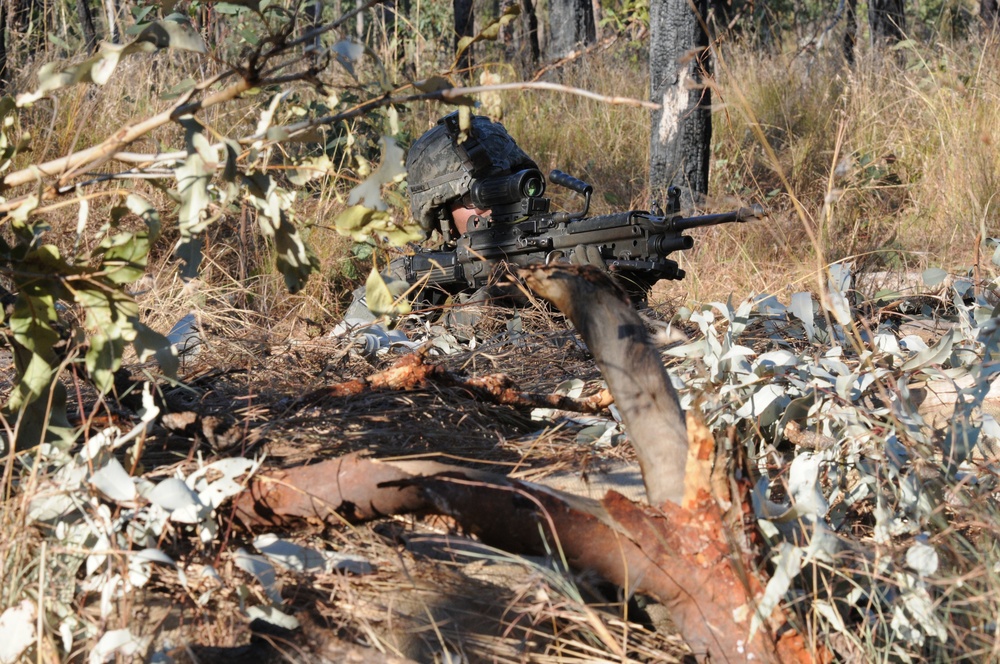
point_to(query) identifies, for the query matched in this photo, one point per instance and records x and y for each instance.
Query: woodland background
(237, 162)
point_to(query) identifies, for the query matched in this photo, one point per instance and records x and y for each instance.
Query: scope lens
(533, 187)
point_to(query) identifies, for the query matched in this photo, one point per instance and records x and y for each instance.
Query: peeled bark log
(617, 337)
(351, 489)
(679, 556)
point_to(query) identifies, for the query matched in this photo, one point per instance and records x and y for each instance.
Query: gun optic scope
(490, 193)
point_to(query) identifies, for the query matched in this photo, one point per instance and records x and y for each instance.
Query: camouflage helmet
(441, 170)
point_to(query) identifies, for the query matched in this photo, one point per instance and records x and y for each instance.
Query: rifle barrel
(741, 215)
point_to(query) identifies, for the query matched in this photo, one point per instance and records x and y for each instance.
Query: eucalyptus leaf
(369, 192)
(922, 558)
(149, 342)
(32, 324)
(937, 355)
(261, 570)
(104, 358)
(385, 298)
(173, 494)
(224, 484)
(99, 67)
(271, 615)
(801, 306)
(118, 641)
(787, 567)
(348, 53)
(310, 169)
(804, 488)
(934, 276)
(434, 84)
(171, 34)
(17, 624)
(192, 186)
(490, 32)
(114, 482)
(765, 405)
(295, 260)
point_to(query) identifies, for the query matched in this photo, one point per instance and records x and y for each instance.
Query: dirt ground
(403, 587)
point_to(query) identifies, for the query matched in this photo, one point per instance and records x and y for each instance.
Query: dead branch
(617, 337)
(412, 372)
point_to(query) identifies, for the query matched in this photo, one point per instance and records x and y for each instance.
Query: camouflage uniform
(441, 166)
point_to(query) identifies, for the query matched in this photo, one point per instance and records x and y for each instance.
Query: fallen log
(678, 556)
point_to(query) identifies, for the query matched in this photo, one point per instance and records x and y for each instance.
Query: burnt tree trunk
(887, 22)
(87, 24)
(679, 63)
(989, 12)
(464, 27)
(571, 24)
(4, 72)
(851, 31)
(531, 23)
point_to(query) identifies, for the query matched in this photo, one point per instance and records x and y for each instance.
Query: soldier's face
(461, 214)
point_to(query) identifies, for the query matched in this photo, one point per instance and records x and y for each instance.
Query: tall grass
(892, 162)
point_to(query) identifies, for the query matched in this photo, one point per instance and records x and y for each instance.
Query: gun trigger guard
(554, 256)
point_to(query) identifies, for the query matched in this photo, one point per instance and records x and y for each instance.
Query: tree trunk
(464, 27)
(111, 12)
(989, 12)
(531, 20)
(682, 128)
(571, 24)
(851, 31)
(4, 72)
(887, 22)
(87, 23)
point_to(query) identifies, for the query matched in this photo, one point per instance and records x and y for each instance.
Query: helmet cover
(441, 170)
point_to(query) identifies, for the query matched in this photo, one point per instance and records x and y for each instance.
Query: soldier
(440, 170)
(442, 166)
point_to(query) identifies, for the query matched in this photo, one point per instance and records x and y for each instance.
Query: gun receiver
(522, 231)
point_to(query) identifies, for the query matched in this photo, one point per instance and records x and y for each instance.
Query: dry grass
(893, 167)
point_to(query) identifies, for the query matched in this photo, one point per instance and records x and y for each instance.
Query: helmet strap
(444, 223)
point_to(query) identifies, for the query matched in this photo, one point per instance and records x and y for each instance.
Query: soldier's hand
(588, 254)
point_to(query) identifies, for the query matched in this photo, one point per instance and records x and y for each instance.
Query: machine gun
(521, 231)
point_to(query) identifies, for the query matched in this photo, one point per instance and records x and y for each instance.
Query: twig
(574, 55)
